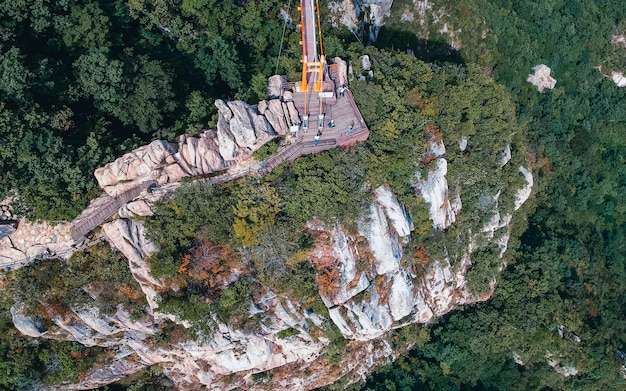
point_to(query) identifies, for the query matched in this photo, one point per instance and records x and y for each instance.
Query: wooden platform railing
(290, 153)
(107, 207)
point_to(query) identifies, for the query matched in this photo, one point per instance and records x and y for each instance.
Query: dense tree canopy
(83, 81)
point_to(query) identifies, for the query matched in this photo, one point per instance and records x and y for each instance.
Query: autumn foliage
(215, 265)
(328, 282)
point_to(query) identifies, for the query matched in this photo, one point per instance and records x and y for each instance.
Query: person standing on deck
(350, 127)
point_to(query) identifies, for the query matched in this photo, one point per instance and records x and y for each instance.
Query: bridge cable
(282, 38)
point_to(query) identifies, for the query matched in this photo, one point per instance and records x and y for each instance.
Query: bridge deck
(101, 209)
(341, 109)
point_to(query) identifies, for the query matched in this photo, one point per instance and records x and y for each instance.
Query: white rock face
(619, 40)
(103, 375)
(393, 294)
(618, 78)
(398, 215)
(384, 245)
(400, 303)
(522, 195)
(388, 293)
(506, 156)
(342, 250)
(347, 13)
(565, 370)
(434, 191)
(366, 64)
(25, 324)
(541, 78)
(129, 238)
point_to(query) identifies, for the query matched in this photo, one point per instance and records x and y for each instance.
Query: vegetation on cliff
(81, 82)
(569, 267)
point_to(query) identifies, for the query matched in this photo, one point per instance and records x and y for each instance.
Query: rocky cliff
(377, 280)
(241, 129)
(366, 17)
(377, 288)
(359, 14)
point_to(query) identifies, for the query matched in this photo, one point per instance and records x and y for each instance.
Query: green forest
(84, 81)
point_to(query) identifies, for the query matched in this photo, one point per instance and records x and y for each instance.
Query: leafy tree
(196, 209)
(255, 210)
(101, 78)
(218, 58)
(13, 75)
(89, 27)
(329, 186)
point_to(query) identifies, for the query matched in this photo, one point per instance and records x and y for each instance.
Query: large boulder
(33, 327)
(140, 165)
(275, 85)
(342, 71)
(275, 115)
(541, 78)
(201, 154)
(366, 63)
(618, 78)
(244, 124)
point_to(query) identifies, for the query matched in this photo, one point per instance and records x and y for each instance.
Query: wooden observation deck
(319, 99)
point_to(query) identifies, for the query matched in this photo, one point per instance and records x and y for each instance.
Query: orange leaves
(545, 165)
(214, 265)
(421, 255)
(184, 263)
(79, 355)
(131, 293)
(433, 132)
(427, 158)
(414, 98)
(328, 282)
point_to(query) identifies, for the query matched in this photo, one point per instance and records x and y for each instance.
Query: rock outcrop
(376, 291)
(30, 326)
(434, 189)
(618, 78)
(276, 85)
(377, 286)
(541, 78)
(522, 194)
(348, 13)
(368, 16)
(280, 114)
(617, 75)
(241, 130)
(32, 240)
(382, 293)
(342, 71)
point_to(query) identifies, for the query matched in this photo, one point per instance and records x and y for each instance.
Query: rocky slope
(241, 129)
(377, 283)
(367, 17)
(377, 288)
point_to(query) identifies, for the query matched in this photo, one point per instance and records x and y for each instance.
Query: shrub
(286, 333)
